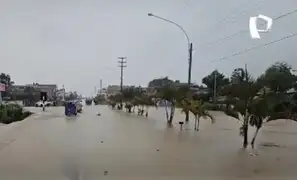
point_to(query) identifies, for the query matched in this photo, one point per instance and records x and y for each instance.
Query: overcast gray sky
(77, 42)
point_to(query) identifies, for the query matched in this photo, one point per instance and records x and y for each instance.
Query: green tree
(99, 99)
(241, 94)
(145, 101)
(71, 96)
(113, 100)
(254, 105)
(89, 101)
(238, 76)
(6, 79)
(278, 77)
(209, 81)
(198, 109)
(168, 94)
(268, 107)
(160, 82)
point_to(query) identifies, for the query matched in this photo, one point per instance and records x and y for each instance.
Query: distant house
(50, 89)
(115, 89)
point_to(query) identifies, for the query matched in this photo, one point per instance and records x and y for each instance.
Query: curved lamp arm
(179, 26)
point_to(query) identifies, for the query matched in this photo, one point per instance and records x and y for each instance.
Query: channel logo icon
(254, 31)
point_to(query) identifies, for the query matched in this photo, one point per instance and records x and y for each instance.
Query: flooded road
(117, 145)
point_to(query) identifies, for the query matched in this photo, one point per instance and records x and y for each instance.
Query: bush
(89, 102)
(99, 99)
(215, 107)
(11, 113)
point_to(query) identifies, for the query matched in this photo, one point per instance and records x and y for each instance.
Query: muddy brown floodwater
(117, 145)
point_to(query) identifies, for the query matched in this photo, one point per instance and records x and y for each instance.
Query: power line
(246, 31)
(256, 47)
(234, 12)
(231, 20)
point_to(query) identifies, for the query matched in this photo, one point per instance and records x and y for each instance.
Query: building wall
(60, 93)
(18, 88)
(50, 89)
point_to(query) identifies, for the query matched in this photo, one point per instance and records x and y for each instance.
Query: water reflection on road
(127, 146)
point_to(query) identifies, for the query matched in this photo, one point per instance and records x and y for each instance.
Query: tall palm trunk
(142, 110)
(245, 136)
(166, 111)
(146, 111)
(195, 125)
(245, 129)
(172, 110)
(254, 138)
(198, 123)
(245, 132)
(187, 116)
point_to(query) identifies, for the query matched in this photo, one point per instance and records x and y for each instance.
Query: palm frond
(232, 113)
(207, 114)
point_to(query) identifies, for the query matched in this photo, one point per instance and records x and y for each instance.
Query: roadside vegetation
(253, 101)
(10, 113)
(89, 102)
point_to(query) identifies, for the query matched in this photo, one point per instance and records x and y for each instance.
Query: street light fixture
(190, 46)
(190, 51)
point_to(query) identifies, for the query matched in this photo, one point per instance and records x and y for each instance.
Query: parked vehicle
(79, 106)
(46, 103)
(70, 108)
(77, 103)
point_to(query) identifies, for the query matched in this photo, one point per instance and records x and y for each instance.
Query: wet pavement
(117, 145)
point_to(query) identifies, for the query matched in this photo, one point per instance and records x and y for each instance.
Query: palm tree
(198, 109)
(128, 107)
(270, 107)
(168, 94)
(240, 96)
(145, 101)
(114, 100)
(251, 107)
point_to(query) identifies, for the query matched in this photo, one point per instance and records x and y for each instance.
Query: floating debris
(270, 145)
(101, 141)
(98, 114)
(253, 154)
(158, 149)
(105, 173)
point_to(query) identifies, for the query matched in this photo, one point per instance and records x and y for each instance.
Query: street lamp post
(190, 51)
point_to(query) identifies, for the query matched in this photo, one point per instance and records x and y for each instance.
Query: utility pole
(95, 88)
(190, 50)
(189, 77)
(100, 91)
(122, 64)
(215, 87)
(245, 122)
(190, 64)
(246, 73)
(63, 93)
